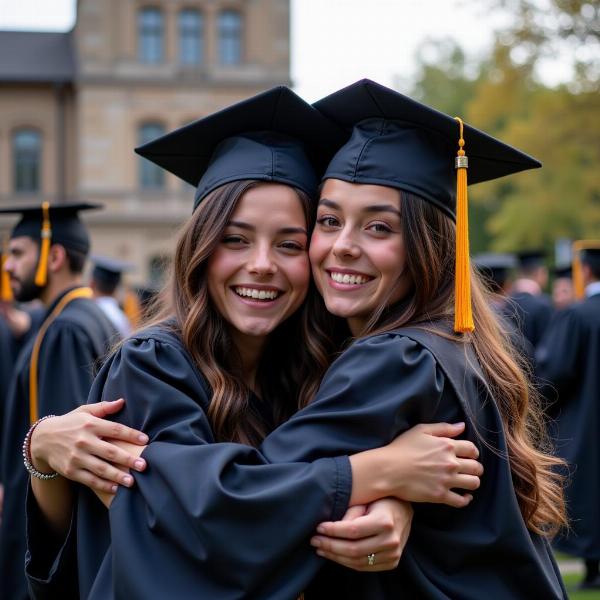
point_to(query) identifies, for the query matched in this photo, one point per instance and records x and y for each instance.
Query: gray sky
(335, 42)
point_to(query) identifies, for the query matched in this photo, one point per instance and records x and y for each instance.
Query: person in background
(563, 293)
(568, 364)
(104, 282)
(496, 270)
(532, 307)
(54, 370)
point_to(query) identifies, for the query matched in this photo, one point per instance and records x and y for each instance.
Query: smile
(257, 294)
(349, 278)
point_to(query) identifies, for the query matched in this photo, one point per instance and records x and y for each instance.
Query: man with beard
(55, 369)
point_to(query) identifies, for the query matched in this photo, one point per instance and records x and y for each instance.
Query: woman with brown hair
(228, 364)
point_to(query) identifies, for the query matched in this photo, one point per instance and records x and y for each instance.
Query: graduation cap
(564, 272)
(530, 259)
(273, 136)
(401, 143)
(584, 252)
(109, 270)
(495, 267)
(52, 224)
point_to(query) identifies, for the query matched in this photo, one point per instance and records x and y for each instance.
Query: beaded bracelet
(27, 461)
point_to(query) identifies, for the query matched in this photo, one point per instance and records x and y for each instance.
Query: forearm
(55, 500)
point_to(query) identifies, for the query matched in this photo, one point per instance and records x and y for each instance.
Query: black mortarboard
(67, 229)
(401, 143)
(109, 270)
(52, 224)
(495, 268)
(529, 259)
(273, 136)
(564, 272)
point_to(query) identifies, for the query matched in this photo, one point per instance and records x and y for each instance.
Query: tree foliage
(558, 125)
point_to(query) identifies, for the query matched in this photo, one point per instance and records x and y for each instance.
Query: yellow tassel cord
(5, 290)
(82, 292)
(463, 311)
(132, 308)
(577, 248)
(41, 275)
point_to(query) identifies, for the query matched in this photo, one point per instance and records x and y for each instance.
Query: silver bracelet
(27, 461)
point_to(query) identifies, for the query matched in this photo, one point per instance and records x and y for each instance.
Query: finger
(358, 548)
(383, 563)
(466, 482)
(465, 449)
(457, 500)
(443, 429)
(94, 482)
(354, 512)
(470, 467)
(119, 457)
(118, 431)
(108, 472)
(106, 407)
(358, 528)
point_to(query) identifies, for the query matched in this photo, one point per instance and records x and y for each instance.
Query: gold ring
(371, 559)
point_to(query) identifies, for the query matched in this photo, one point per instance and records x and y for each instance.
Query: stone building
(74, 105)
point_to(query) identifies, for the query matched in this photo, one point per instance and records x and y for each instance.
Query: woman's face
(259, 274)
(357, 251)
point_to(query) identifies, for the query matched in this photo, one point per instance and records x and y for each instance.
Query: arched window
(191, 37)
(150, 35)
(151, 176)
(27, 155)
(230, 37)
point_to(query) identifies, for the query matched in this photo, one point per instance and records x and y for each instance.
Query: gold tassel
(41, 275)
(6, 294)
(463, 311)
(132, 308)
(578, 283)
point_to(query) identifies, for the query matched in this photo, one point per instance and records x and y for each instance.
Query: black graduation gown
(237, 520)
(568, 361)
(531, 314)
(7, 357)
(252, 520)
(78, 338)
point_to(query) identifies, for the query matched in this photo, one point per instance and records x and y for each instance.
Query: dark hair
(429, 238)
(297, 353)
(106, 288)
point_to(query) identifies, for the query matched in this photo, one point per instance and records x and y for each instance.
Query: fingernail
(316, 542)
(127, 480)
(459, 424)
(143, 438)
(140, 464)
(113, 489)
(321, 529)
(320, 553)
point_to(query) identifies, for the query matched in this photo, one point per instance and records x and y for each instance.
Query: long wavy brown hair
(297, 353)
(429, 237)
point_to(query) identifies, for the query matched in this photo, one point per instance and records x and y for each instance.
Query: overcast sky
(334, 42)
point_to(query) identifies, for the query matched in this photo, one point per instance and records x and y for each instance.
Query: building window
(150, 35)
(27, 153)
(152, 177)
(191, 37)
(230, 37)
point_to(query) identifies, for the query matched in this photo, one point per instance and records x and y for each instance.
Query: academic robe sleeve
(245, 521)
(204, 520)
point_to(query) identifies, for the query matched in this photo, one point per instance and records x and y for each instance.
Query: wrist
(34, 447)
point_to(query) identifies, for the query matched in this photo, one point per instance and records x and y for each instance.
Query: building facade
(74, 105)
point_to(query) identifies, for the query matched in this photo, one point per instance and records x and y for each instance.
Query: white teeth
(349, 279)
(256, 294)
